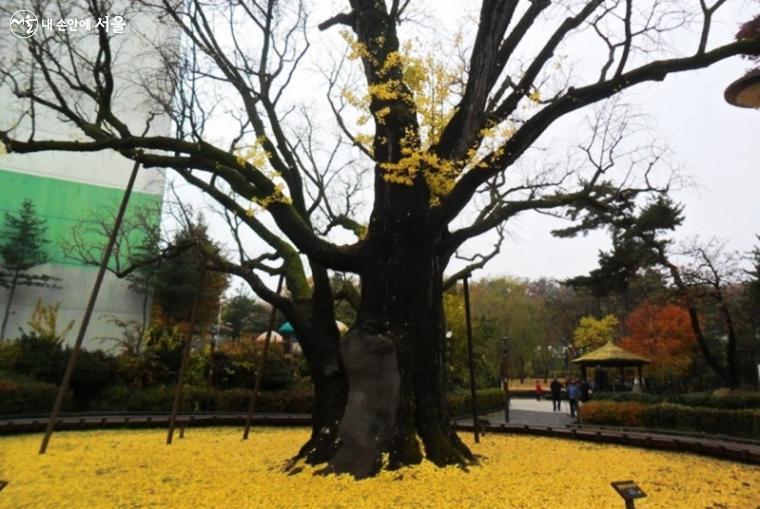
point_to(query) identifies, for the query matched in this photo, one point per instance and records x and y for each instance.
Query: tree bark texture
(394, 354)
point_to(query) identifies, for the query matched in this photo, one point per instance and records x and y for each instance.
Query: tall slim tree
(441, 133)
(178, 282)
(752, 294)
(22, 247)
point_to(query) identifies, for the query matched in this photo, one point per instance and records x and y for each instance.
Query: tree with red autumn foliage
(662, 334)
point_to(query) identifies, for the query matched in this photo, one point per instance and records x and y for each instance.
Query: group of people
(575, 390)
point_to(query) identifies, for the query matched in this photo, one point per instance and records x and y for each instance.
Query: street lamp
(745, 92)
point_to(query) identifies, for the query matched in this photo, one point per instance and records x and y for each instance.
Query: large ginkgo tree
(436, 131)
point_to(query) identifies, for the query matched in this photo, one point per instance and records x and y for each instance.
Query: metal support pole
(505, 376)
(260, 373)
(88, 311)
(212, 345)
(185, 357)
(470, 358)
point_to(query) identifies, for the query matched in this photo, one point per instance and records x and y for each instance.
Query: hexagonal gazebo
(611, 356)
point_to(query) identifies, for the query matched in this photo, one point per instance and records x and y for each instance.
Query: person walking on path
(573, 394)
(539, 391)
(556, 389)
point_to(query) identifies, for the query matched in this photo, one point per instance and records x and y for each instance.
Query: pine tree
(22, 247)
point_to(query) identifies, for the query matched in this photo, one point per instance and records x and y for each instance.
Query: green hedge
(723, 399)
(628, 413)
(488, 399)
(740, 423)
(28, 397)
(199, 399)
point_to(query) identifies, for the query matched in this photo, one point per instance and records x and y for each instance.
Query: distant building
(67, 188)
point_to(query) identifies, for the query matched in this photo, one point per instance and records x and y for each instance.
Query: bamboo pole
(260, 373)
(185, 357)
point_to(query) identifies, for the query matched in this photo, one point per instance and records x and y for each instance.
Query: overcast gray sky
(716, 144)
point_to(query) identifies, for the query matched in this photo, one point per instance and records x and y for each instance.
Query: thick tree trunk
(319, 338)
(393, 358)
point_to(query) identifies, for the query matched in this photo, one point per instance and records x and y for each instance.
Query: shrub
(28, 397)
(722, 398)
(640, 397)
(233, 400)
(198, 399)
(121, 398)
(94, 371)
(236, 368)
(39, 357)
(743, 423)
(613, 414)
(42, 358)
(9, 354)
(297, 401)
(202, 399)
(488, 399)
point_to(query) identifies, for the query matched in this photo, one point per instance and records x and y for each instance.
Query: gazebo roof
(274, 338)
(610, 354)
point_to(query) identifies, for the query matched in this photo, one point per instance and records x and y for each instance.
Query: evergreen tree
(243, 315)
(22, 247)
(177, 280)
(752, 294)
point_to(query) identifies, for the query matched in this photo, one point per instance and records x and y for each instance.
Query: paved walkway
(531, 412)
(531, 417)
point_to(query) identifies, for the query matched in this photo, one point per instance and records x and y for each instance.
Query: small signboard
(629, 490)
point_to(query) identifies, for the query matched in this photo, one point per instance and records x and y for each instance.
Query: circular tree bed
(212, 467)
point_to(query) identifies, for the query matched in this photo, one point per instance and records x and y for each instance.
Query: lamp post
(505, 375)
(468, 323)
(745, 92)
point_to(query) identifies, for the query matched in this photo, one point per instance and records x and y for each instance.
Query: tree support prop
(473, 395)
(185, 359)
(88, 312)
(260, 373)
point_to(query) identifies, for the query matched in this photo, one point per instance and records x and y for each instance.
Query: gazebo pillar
(583, 372)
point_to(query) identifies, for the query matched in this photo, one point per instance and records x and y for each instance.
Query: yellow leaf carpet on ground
(214, 468)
